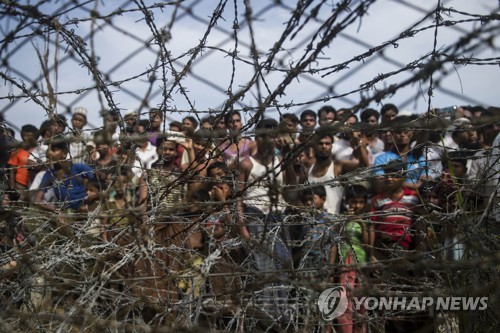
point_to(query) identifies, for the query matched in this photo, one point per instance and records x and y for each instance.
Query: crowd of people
(304, 202)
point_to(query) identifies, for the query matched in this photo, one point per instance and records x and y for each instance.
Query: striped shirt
(394, 218)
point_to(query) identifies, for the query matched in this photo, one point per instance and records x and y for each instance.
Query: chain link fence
(262, 59)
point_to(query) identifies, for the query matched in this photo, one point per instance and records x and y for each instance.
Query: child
(78, 138)
(317, 235)
(19, 174)
(393, 228)
(351, 251)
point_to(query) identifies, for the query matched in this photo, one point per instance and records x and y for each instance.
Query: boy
(393, 228)
(77, 138)
(317, 235)
(19, 174)
(68, 180)
(351, 251)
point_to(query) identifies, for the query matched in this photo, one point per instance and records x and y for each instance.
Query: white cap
(80, 110)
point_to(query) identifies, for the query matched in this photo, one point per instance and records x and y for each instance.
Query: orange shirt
(18, 160)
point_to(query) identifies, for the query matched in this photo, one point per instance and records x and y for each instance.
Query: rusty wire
(70, 280)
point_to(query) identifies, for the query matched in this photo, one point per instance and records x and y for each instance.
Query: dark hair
(201, 195)
(401, 123)
(290, 116)
(368, 113)
(114, 114)
(387, 107)
(327, 109)
(477, 108)
(307, 113)
(318, 190)
(59, 142)
(218, 164)
(394, 167)
(203, 135)
(156, 112)
(144, 123)
(459, 156)
(355, 191)
(44, 127)
(176, 124)
(192, 120)
(265, 124)
(208, 119)
(29, 129)
(229, 116)
(323, 132)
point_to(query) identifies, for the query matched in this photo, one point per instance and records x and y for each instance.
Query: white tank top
(334, 192)
(267, 187)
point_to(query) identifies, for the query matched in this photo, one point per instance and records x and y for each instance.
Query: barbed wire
(150, 272)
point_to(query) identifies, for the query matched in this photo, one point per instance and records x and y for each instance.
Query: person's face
(217, 173)
(120, 184)
(187, 125)
(386, 137)
(130, 121)
(92, 193)
(304, 158)
(308, 200)
(402, 137)
(351, 121)
(155, 120)
(168, 151)
(175, 128)
(318, 201)
(220, 124)
(200, 147)
(290, 125)
(468, 114)
(55, 129)
(466, 135)
(456, 168)
(139, 129)
(326, 118)
(206, 125)
(308, 122)
(55, 154)
(78, 121)
(372, 121)
(323, 147)
(357, 205)
(393, 182)
(28, 137)
(217, 177)
(110, 123)
(266, 142)
(390, 115)
(103, 149)
(235, 123)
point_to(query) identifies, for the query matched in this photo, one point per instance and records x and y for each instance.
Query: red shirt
(394, 218)
(18, 160)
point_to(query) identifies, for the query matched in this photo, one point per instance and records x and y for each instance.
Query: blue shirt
(415, 167)
(71, 189)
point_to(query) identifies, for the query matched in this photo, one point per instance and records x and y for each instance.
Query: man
(261, 178)
(326, 115)
(388, 112)
(308, 120)
(155, 121)
(326, 172)
(67, 179)
(402, 152)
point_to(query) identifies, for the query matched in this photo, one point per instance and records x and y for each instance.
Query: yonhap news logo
(333, 303)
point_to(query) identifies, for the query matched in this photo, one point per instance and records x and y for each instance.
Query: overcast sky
(122, 54)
